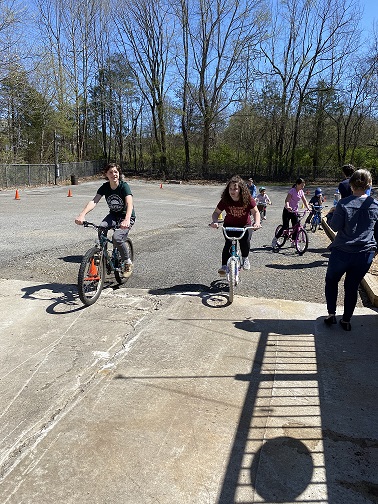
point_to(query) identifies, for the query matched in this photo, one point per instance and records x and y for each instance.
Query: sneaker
(223, 270)
(128, 269)
(264, 218)
(246, 263)
(274, 242)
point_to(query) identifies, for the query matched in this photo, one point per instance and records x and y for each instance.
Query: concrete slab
(184, 399)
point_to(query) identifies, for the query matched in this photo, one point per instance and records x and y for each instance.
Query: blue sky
(370, 12)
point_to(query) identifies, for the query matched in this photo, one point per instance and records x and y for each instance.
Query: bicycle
(97, 262)
(301, 238)
(234, 261)
(316, 219)
(261, 207)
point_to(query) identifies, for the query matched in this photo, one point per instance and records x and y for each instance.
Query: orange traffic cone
(17, 196)
(69, 195)
(92, 269)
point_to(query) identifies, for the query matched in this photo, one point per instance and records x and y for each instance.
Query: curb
(370, 281)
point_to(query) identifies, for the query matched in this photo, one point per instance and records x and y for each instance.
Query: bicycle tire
(90, 279)
(232, 276)
(314, 224)
(301, 241)
(119, 274)
(280, 242)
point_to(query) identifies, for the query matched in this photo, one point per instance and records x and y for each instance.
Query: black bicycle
(99, 261)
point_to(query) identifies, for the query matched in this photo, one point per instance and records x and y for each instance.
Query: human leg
(285, 222)
(119, 239)
(245, 246)
(294, 221)
(226, 252)
(359, 266)
(337, 265)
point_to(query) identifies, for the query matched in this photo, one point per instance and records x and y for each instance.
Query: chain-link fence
(19, 175)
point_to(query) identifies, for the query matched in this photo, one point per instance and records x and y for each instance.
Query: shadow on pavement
(308, 428)
(65, 296)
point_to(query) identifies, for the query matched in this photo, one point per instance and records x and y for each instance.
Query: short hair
(348, 170)
(110, 166)
(361, 179)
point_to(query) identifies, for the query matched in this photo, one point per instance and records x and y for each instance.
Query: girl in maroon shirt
(237, 203)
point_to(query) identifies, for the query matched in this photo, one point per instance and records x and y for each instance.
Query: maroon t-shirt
(237, 215)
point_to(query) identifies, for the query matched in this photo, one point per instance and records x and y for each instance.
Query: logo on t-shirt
(237, 211)
(115, 203)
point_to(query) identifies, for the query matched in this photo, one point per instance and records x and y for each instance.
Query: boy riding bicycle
(119, 198)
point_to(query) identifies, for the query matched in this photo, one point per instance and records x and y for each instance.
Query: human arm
(88, 207)
(287, 202)
(256, 217)
(125, 223)
(215, 218)
(304, 200)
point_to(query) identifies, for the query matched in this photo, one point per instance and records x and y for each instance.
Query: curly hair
(361, 179)
(245, 195)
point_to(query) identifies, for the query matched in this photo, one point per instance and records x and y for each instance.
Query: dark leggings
(245, 245)
(286, 218)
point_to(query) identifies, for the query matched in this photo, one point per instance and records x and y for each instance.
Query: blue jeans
(355, 266)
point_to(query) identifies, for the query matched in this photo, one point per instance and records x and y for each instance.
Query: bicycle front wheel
(280, 242)
(90, 280)
(314, 224)
(120, 276)
(301, 242)
(232, 278)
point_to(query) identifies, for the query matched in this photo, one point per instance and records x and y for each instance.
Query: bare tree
(145, 29)
(221, 32)
(307, 40)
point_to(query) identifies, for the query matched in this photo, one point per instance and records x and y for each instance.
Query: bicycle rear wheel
(280, 242)
(119, 275)
(90, 280)
(301, 242)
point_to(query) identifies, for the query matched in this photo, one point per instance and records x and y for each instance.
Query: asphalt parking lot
(165, 393)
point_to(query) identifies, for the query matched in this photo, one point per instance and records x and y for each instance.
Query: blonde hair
(361, 179)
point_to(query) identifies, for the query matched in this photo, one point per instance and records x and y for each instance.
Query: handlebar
(240, 230)
(91, 224)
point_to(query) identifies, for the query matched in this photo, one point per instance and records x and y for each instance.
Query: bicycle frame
(103, 241)
(234, 261)
(301, 238)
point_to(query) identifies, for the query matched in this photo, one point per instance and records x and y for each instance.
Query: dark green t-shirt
(115, 198)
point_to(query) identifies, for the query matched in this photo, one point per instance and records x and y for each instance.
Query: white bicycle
(234, 263)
